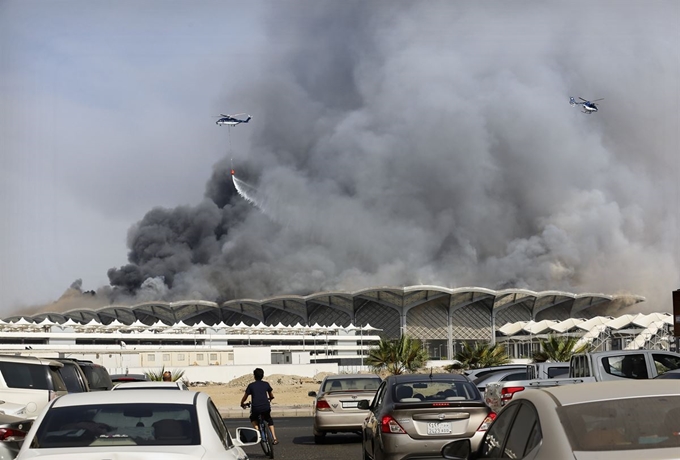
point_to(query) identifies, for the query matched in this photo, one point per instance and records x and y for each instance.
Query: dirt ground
(289, 390)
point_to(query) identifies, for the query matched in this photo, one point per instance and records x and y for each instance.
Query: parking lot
(297, 442)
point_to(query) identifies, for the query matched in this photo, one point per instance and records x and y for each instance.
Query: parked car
(547, 370)
(335, 408)
(600, 366)
(624, 420)
(473, 374)
(98, 378)
(30, 381)
(118, 378)
(142, 424)
(13, 431)
(73, 376)
(178, 385)
(415, 415)
(500, 376)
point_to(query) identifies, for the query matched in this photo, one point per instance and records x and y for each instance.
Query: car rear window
(106, 425)
(623, 424)
(351, 384)
(70, 374)
(435, 390)
(30, 376)
(97, 377)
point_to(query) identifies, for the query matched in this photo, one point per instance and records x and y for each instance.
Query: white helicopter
(588, 106)
(232, 120)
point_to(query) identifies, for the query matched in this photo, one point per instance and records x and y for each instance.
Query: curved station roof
(388, 308)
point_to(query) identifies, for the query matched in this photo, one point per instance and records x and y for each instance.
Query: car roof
(603, 391)
(128, 397)
(405, 378)
(147, 384)
(352, 376)
(498, 375)
(30, 360)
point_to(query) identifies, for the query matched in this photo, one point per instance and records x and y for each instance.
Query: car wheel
(363, 449)
(318, 438)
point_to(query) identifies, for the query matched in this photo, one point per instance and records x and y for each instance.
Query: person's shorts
(266, 416)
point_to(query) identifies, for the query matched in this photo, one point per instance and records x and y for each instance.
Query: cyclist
(260, 393)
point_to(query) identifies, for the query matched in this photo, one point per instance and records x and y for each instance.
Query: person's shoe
(276, 441)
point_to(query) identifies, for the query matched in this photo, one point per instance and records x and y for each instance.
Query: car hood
(118, 453)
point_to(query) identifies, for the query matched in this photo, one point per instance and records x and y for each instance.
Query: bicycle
(266, 437)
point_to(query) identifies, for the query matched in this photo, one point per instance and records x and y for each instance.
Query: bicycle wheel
(265, 442)
(270, 441)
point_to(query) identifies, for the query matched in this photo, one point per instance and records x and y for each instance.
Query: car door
(372, 423)
(516, 433)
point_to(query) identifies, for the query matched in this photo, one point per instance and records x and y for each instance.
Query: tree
(398, 356)
(559, 349)
(479, 355)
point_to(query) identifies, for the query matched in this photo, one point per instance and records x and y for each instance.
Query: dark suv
(73, 375)
(97, 378)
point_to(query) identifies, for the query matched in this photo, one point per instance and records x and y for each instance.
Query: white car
(622, 420)
(151, 385)
(139, 424)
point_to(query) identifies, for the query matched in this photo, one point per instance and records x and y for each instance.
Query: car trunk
(346, 401)
(440, 419)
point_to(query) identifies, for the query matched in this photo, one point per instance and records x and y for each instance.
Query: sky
(392, 144)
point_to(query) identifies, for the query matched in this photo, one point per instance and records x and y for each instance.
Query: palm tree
(157, 376)
(479, 355)
(559, 349)
(397, 356)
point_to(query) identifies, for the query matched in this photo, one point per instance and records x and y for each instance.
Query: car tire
(363, 449)
(318, 438)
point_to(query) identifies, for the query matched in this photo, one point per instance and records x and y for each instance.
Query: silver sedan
(622, 420)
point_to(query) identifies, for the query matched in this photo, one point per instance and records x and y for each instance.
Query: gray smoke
(399, 143)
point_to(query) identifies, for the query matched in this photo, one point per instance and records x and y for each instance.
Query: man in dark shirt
(260, 393)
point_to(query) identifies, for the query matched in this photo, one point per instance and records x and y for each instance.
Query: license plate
(439, 428)
(350, 404)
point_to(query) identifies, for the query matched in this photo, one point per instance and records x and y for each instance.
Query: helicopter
(231, 120)
(588, 106)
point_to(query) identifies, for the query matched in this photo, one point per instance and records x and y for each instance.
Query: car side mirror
(457, 450)
(364, 404)
(246, 437)
(312, 394)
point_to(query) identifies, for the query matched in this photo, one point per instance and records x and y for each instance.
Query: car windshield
(351, 384)
(118, 424)
(435, 390)
(623, 424)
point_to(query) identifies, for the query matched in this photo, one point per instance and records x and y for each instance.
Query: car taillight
(322, 405)
(508, 393)
(389, 425)
(487, 422)
(10, 434)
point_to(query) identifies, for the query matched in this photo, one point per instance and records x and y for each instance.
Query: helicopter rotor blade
(584, 100)
(601, 99)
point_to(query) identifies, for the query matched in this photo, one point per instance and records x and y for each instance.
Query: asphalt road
(296, 441)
